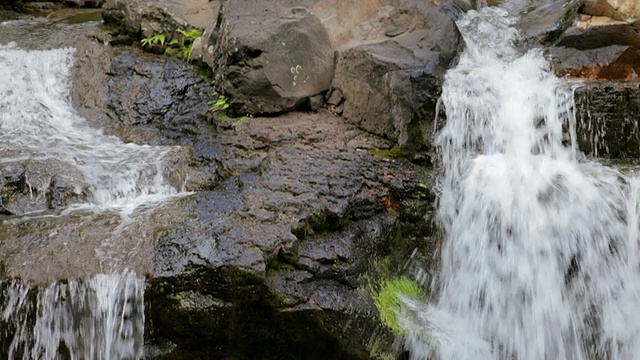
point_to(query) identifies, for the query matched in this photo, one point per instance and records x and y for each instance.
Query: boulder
(146, 18)
(270, 56)
(391, 76)
(614, 62)
(596, 32)
(598, 48)
(625, 10)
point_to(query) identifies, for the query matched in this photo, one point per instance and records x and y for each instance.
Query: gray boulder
(391, 77)
(270, 56)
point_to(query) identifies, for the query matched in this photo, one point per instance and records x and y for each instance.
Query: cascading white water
(37, 122)
(101, 319)
(540, 259)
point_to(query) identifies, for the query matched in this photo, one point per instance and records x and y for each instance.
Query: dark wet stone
(606, 117)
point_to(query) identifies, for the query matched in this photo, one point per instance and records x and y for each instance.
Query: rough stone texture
(607, 119)
(270, 56)
(391, 82)
(306, 214)
(145, 18)
(342, 18)
(626, 10)
(264, 261)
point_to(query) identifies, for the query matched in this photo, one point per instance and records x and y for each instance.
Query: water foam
(540, 259)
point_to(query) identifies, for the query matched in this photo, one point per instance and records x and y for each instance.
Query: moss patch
(396, 152)
(387, 300)
(85, 16)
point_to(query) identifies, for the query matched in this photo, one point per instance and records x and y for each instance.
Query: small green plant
(183, 46)
(219, 105)
(154, 40)
(245, 118)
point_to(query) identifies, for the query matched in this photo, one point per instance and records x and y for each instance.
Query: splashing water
(37, 122)
(540, 259)
(101, 319)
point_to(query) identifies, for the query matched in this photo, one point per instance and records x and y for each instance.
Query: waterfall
(540, 256)
(100, 319)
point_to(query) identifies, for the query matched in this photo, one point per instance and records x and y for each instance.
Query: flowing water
(101, 317)
(38, 122)
(540, 259)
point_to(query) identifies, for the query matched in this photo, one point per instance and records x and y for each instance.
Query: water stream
(540, 259)
(38, 122)
(101, 317)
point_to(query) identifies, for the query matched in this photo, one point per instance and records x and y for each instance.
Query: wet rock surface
(284, 242)
(542, 22)
(607, 119)
(265, 259)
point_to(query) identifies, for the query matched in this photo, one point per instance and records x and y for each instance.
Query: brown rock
(626, 10)
(598, 48)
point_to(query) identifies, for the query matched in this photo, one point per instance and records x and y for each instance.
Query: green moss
(160, 229)
(396, 152)
(386, 296)
(85, 16)
(388, 300)
(277, 264)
